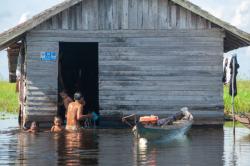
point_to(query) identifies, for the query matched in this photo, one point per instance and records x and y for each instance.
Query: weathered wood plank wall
(139, 71)
(154, 57)
(41, 81)
(125, 14)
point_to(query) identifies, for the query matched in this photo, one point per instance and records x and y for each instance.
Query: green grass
(230, 124)
(8, 97)
(242, 100)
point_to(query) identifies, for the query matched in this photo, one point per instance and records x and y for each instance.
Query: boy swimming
(57, 127)
(34, 127)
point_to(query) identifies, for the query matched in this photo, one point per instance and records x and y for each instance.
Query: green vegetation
(230, 124)
(8, 97)
(242, 100)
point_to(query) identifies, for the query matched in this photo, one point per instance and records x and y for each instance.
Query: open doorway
(78, 72)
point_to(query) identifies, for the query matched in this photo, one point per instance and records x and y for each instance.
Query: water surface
(208, 146)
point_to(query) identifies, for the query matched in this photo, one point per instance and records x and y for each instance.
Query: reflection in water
(77, 148)
(236, 149)
(202, 146)
(57, 148)
(143, 154)
(35, 148)
(115, 147)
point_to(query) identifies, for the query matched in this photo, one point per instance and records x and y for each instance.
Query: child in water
(33, 127)
(57, 125)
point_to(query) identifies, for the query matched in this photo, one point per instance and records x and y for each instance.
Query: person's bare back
(75, 113)
(74, 110)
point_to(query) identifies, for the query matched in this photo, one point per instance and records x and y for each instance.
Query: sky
(236, 12)
(13, 12)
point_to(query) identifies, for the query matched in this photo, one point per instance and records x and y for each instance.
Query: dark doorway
(78, 72)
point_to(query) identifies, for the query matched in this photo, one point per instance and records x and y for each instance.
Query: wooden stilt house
(125, 56)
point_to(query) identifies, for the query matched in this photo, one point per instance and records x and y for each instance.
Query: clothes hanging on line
(234, 66)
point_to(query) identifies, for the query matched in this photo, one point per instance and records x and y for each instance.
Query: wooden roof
(234, 39)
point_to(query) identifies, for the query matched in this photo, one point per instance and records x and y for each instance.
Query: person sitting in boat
(75, 113)
(57, 127)
(183, 114)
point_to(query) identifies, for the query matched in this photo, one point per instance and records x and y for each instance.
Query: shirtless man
(75, 113)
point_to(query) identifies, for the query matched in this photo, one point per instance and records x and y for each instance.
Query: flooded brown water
(208, 146)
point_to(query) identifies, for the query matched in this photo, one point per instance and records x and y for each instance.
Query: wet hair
(77, 96)
(34, 122)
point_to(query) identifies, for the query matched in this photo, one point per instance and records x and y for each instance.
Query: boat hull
(243, 120)
(162, 132)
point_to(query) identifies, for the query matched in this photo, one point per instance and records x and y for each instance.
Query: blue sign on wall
(48, 56)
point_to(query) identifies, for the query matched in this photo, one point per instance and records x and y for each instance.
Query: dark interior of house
(78, 72)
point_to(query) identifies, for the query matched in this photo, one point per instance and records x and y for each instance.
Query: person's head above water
(57, 121)
(77, 96)
(34, 125)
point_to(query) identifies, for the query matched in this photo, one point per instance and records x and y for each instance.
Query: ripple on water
(202, 146)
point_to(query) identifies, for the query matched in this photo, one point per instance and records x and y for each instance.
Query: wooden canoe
(155, 132)
(243, 119)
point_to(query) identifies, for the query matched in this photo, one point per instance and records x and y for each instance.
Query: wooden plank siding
(154, 58)
(139, 70)
(41, 80)
(125, 14)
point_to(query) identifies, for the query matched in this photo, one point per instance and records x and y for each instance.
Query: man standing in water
(75, 113)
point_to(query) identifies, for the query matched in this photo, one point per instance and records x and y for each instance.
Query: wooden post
(13, 52)
(233, 75)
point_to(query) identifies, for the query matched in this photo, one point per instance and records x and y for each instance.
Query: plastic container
(149, 119)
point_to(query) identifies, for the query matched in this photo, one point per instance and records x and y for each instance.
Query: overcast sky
(236, 12)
